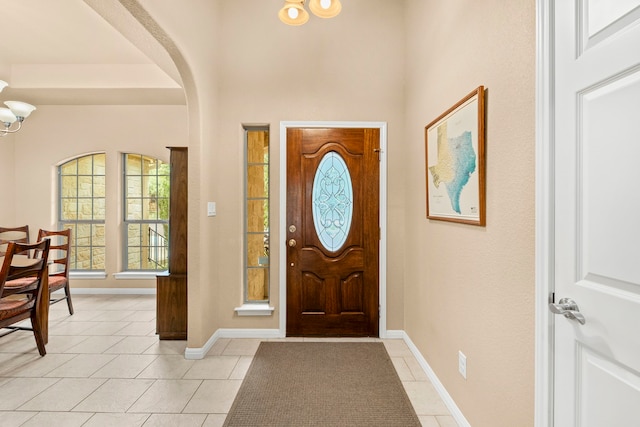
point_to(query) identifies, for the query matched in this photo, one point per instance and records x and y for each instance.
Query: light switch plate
(211, 208)
(462, 364)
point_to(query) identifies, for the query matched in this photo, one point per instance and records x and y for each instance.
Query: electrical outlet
(462, 364)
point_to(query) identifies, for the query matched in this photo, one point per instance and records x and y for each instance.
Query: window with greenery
(257, 214)
(146, 213)
(81, 207)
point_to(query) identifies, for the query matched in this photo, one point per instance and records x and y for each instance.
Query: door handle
(569, 309)
(292, 243)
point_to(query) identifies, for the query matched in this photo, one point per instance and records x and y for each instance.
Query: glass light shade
(20, 109)
(301, 18)
(3, 84)
(322, 10)
(6, 116)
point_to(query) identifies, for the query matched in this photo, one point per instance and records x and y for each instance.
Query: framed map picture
(455, 166)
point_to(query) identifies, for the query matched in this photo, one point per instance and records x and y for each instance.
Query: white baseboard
(112, 291)
(395, 334)
(195, 353)
(446, 397)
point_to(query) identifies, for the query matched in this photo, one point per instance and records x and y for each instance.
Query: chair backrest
(13, 234)
(15, 267)
(58, 251)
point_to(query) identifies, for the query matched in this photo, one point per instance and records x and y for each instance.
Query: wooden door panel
(351, 292)
(332, 291)
(349, 139)
(333, 325)
(312, 294)
(350, 261)
(332, 295)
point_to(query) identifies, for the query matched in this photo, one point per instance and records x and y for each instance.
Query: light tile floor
(105, 366)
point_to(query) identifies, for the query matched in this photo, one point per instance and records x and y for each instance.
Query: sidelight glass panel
(332, 201)
(256, 215)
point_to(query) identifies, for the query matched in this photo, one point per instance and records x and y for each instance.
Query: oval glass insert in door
(332, 201)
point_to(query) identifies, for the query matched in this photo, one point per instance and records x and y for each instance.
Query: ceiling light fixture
(17, 112)
(293, 12)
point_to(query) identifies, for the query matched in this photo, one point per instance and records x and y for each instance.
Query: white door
(597, 212)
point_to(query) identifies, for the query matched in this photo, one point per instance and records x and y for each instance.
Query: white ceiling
(64, 52)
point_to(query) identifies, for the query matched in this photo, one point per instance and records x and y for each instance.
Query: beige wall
(348, 69)
(54, 134)
(7, 189)
(403, 62)
(472, 288)
(446, 281)
(190, 36)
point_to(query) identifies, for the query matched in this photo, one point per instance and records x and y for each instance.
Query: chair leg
(67, 291)
(37, 333)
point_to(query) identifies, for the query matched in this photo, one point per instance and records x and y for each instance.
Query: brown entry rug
(321, 384)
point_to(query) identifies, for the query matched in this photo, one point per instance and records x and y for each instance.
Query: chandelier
(17, 112)
(293, 12)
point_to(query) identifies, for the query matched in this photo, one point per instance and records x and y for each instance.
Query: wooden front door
(333, 231)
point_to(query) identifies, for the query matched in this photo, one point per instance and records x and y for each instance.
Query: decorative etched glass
(332, 201)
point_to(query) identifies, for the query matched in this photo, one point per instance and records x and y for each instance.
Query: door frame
(282, 270)
(544, 223)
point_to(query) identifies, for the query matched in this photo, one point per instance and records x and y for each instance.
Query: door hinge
(379, 311)
(377, 150)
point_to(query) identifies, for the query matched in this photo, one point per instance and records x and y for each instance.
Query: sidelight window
(256, 215)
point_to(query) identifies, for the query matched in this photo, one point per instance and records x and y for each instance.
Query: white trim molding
(111, 291)
(138, 275)
(382, 126)
(543, 377)
(197, 353)
(395, 334)
(456, 413)
(254, 310)
(91, 275)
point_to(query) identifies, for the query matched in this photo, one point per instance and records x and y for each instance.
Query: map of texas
(456, 163)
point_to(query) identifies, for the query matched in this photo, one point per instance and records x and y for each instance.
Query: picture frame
(455, 162)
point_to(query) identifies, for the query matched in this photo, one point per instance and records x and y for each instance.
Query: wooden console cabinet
(171, 298)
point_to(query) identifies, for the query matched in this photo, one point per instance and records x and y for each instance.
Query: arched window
(82, 208)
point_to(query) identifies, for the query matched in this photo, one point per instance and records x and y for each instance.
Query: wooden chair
(59, 252)
(17, 305)
(13, 234)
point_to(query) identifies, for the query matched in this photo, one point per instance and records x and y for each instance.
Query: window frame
(125, 247)
(64, 223)
(246, 199)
